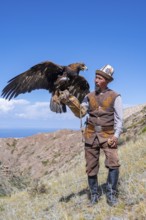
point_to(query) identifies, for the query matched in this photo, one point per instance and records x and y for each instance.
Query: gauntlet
(73, 103)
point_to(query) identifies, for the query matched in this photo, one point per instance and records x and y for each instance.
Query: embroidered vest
(101, 108)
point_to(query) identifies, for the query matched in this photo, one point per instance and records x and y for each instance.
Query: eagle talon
(64, 96)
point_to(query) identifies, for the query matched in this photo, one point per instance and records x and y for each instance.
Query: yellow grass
(65, 197)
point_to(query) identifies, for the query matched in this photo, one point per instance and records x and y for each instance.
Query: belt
(99, 128)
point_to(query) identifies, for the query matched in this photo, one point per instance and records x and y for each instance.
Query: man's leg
(92, 153)
(111, 189)
(93, 185)
(112, 163)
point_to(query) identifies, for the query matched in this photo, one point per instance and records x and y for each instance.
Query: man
(103, 128)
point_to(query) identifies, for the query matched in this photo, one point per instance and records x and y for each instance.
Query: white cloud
(20, 113)
(23, 109)
(7, 106)
(34, 111)
(41, 110)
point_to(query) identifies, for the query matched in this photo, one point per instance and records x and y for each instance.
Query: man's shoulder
(91, 93)
(113, 92)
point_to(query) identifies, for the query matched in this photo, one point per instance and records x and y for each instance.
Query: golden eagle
(52, 77)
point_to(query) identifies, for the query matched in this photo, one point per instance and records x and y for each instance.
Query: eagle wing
(40, 76)
(78, 87)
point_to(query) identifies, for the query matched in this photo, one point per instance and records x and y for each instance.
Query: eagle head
(82, 66)
(77, 67)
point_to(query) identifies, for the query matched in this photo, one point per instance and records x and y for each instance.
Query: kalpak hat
(106, 72)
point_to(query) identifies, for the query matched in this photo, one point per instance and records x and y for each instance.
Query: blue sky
(96, 32)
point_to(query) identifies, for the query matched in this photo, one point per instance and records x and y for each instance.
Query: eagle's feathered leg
(55, 104)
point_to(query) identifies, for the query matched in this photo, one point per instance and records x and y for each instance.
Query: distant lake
(23, 132)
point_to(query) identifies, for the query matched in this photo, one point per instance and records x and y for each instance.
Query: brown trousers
(92, 153)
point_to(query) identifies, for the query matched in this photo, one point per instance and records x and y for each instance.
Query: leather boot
(93, 185)
(111, 190)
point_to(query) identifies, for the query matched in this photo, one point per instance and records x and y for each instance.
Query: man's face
(100, 82)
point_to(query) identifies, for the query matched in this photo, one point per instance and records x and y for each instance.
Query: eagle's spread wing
(40, 76)
(79, 87)
(52, 77)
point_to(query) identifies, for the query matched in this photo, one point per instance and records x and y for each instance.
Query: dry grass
(65, 197)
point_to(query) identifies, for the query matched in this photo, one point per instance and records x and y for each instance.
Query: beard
(97, 89)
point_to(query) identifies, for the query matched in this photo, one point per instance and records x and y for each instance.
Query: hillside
(50, 167)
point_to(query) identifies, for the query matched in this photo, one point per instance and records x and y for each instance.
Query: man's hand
(112, 142)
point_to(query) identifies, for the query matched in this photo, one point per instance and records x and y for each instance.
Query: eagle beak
(85, 68)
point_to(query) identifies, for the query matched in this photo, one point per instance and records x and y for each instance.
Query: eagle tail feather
(57, 106)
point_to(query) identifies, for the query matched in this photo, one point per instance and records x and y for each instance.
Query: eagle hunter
(52, 77)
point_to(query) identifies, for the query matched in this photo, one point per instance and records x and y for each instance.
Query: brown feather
(48, 75)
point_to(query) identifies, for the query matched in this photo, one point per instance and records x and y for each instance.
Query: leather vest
(101, 108)
(101, 113)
